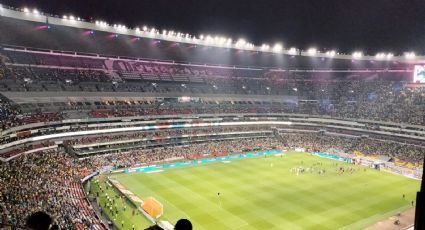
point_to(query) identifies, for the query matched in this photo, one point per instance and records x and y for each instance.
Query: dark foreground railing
(420, 207)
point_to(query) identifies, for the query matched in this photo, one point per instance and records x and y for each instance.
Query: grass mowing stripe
(262, 193)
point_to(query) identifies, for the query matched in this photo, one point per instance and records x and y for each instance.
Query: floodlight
(357, 54)
(292, 51)
(277, 48)
(312, 51)
(410, 55)
(265, 47)
(380, 56)
(331, 53)
(241, 42)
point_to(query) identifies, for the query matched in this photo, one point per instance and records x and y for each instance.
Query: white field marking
(154, 171)
(385, 215)
(226, 162)
(241, 221)
(171, 204)
(389, 171)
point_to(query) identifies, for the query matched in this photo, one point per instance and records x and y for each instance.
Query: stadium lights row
(357, 55)
(101, 23)
(382, 56)
(34, 11)
(312, 51)
(219, 40)
(331, 53)
(71, 18)
(389, 56)
(410, 55)
(292, 51)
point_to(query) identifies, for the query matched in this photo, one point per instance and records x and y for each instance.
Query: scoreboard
(419, 74)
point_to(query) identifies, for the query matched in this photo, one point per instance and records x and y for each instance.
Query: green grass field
(262, 193)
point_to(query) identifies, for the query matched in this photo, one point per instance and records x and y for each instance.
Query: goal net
(153, 207)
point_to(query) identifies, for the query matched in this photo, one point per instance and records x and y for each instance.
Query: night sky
(346, 25)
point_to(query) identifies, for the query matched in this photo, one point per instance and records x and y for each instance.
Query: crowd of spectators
(405, 106)
(189, 151)
(26, 148)
(7, 114)
(122, 65)
(47, 181)
(316, 142)
(161, 134)
(11, 116)
(404, 152)
(223, 109)
(373, 96)
(22, 78)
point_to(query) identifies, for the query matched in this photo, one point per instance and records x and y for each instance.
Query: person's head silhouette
(39, 221)
(183, 224)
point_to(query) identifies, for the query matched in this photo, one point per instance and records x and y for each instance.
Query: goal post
(153, 207)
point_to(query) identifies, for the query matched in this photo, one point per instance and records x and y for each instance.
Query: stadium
(104, 126)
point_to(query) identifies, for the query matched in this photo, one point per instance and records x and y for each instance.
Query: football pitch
(267, 193)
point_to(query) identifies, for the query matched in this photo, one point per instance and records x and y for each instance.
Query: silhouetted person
(183, 224)
(39, 221)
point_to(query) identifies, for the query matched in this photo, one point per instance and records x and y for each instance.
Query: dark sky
(346, 25)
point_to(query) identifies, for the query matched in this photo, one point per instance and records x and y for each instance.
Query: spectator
(39, 221)
(183, 224)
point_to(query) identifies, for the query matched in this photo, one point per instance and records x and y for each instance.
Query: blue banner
(333, 157)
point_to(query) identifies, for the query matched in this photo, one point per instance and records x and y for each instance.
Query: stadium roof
(70, 20)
